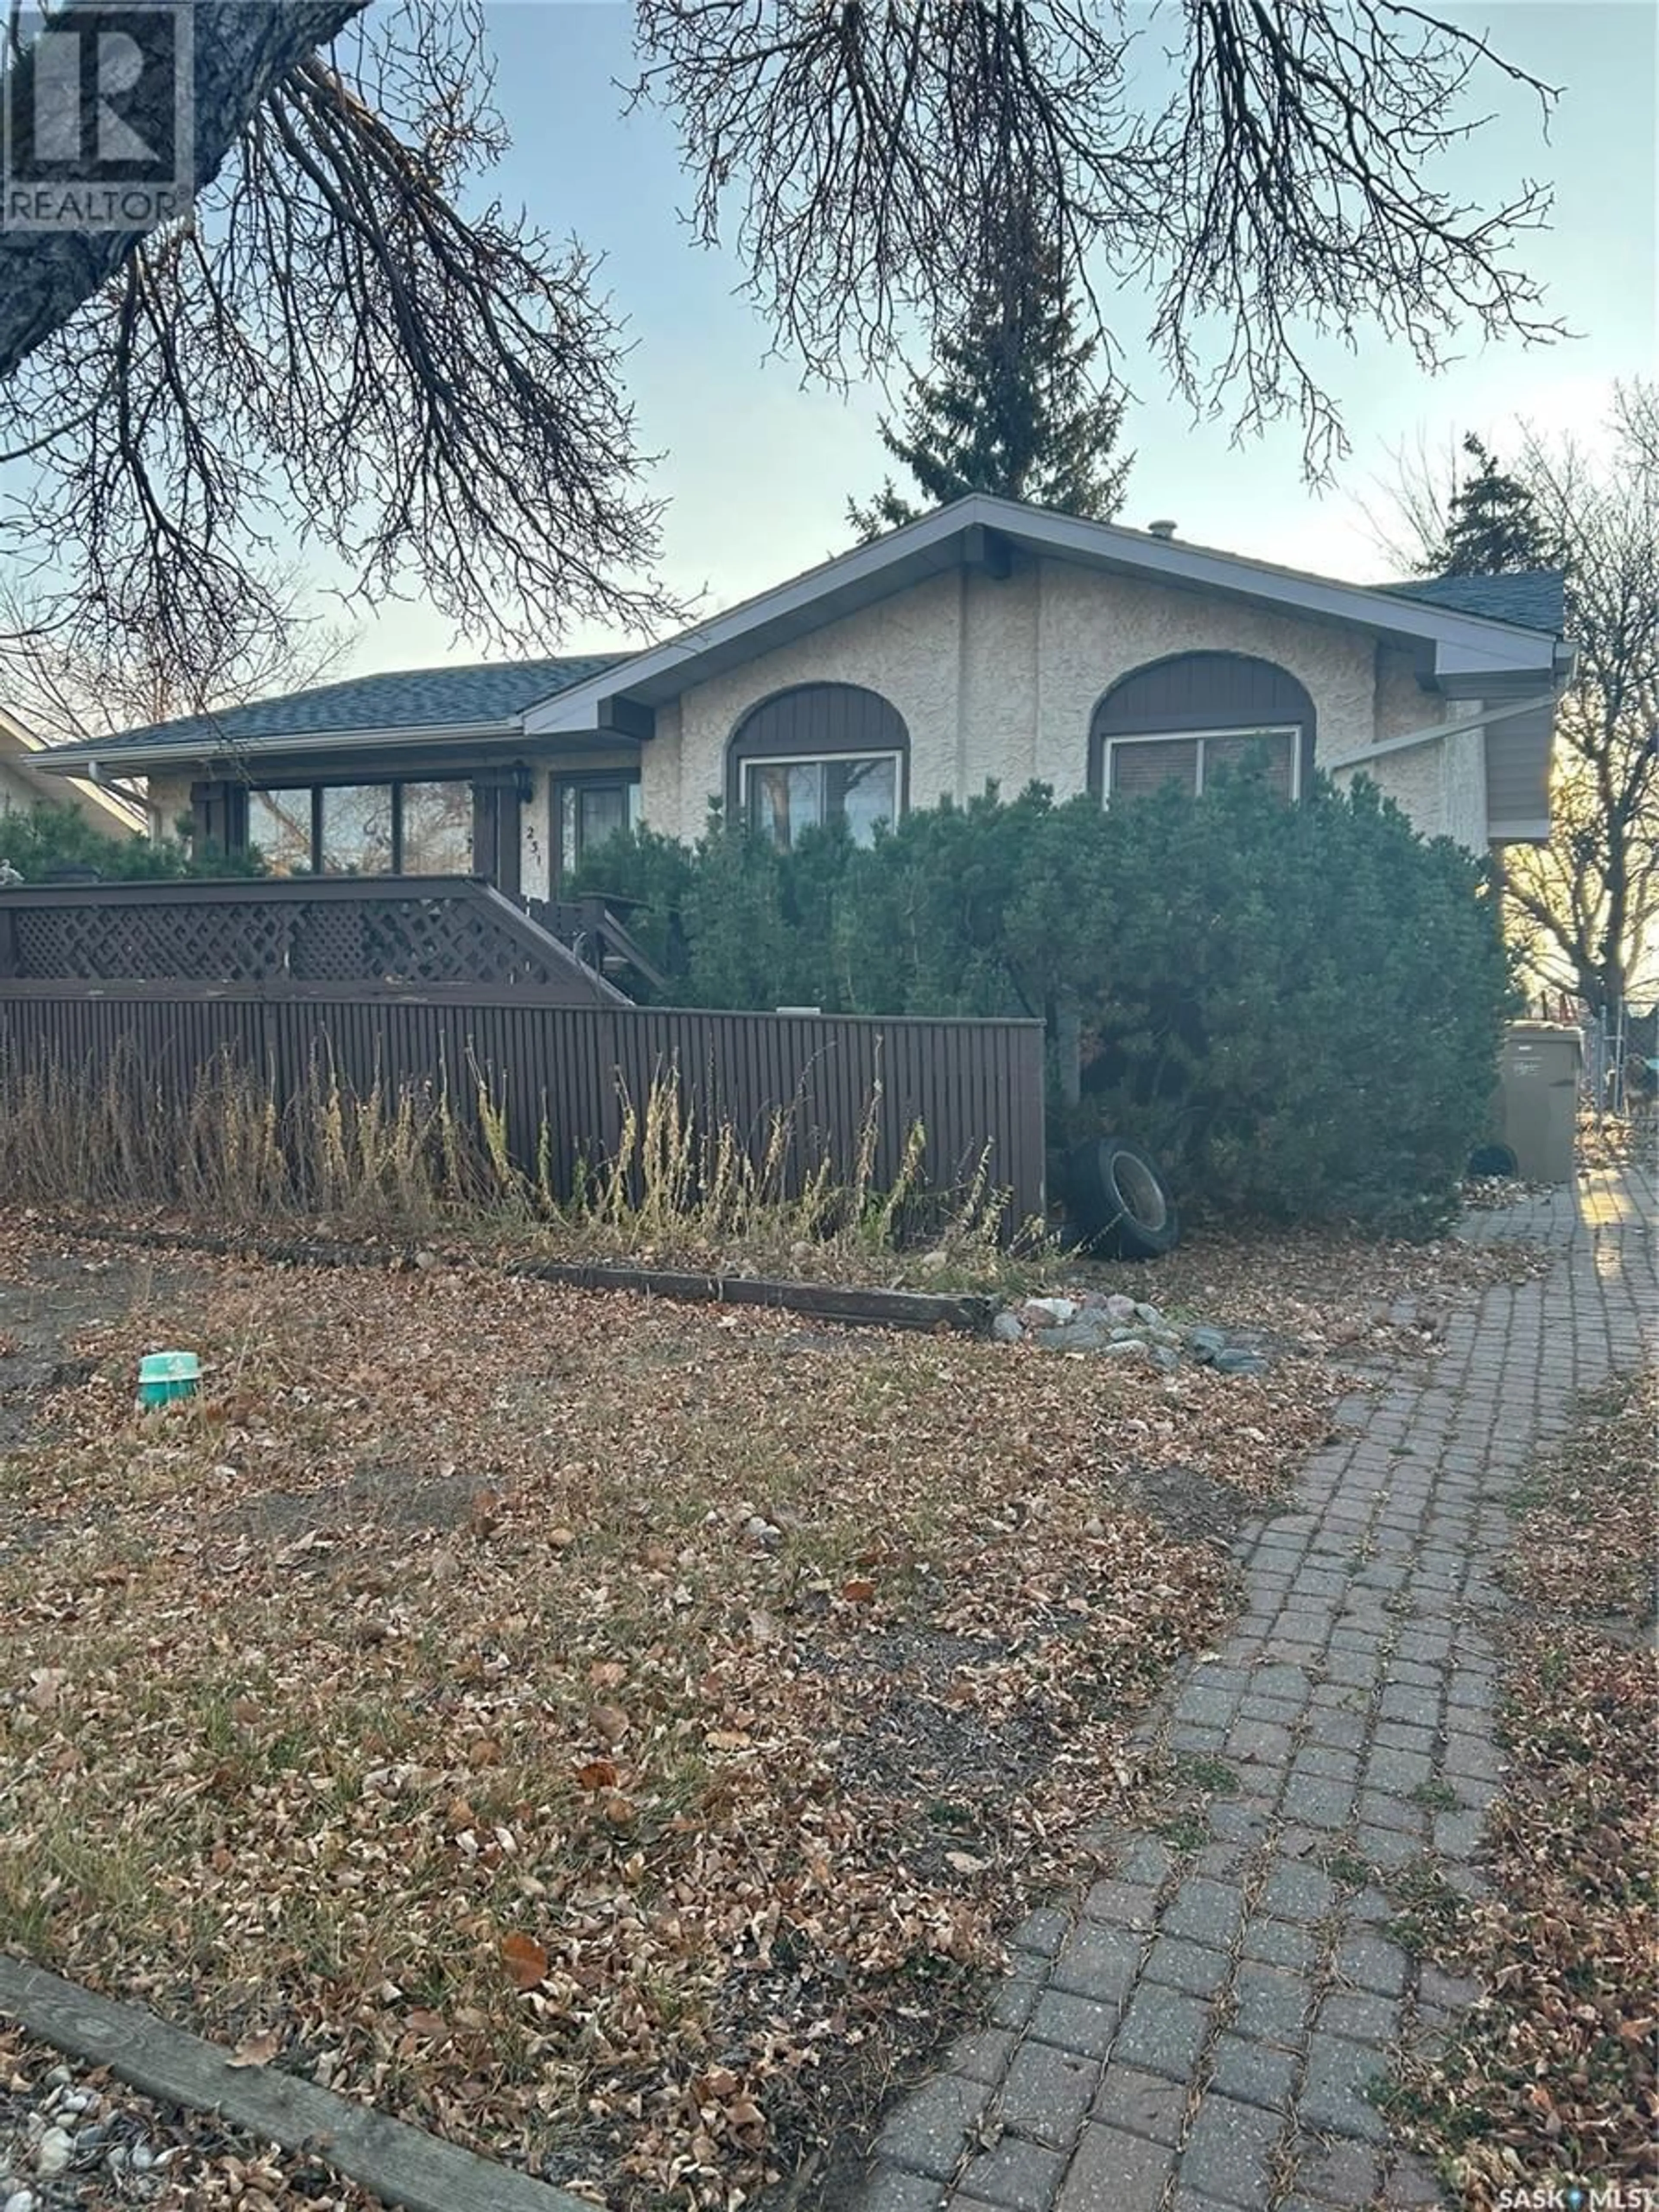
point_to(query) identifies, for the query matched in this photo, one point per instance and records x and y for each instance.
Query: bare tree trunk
(241, 50)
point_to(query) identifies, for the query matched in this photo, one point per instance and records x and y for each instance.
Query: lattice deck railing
(401, 933)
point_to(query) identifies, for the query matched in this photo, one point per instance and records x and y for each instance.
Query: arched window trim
(1227, 695)
(834, 722)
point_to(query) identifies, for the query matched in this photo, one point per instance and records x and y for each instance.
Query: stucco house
(987, 641)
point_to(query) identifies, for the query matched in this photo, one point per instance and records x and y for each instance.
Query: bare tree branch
(334, 351)
(1586, 906)
(1283, 193)
(65, 690)
(1593, 893)
(1409, 516)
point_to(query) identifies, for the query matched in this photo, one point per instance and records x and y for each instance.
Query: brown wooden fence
(975, 1087)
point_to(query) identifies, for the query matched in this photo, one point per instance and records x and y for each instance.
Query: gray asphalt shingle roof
(414, 698)
(1535, 598)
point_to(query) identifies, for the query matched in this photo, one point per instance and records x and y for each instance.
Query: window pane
(279, 823)
(587, 814)
(785, 798)
(1272, 752)
(567, 829)
(357, 829)
(437, 829)
(1139, 768)
(604, 811)
(862, 793)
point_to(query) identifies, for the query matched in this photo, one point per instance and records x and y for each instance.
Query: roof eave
(115, 758)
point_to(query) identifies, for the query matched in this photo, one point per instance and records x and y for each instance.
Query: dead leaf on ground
(524, 1960)
(257, 2050)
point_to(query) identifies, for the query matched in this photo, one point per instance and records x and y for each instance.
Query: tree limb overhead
(242, 47)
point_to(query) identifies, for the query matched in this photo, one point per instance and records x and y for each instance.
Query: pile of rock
(64, 2144)
(1119, 1327)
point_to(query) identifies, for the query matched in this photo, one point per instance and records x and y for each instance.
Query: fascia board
(122, 760)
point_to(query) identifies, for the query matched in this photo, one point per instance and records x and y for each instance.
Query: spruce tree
(1010, 408)
(1492, 526)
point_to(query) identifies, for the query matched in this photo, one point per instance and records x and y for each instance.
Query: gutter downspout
(1414, 738)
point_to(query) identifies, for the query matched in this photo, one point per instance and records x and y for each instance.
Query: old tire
(1120, 1201)
(1492, 1160)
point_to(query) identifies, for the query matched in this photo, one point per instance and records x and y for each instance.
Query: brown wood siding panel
(509, 852)
(1202, 691)
(1518, 769)
(485, 828)
(813, 722)
(970, 1084)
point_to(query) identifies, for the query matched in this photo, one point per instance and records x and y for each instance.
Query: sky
(757, 468)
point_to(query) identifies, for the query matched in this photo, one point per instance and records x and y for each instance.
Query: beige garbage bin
(1538, 1098)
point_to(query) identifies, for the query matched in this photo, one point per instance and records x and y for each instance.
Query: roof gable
(24, 755)
(980, 531)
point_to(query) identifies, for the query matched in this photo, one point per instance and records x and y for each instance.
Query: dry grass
(442, 1160)
(443, 1167)
(1551, 2080)
(1588, 1539)
(607, 1733)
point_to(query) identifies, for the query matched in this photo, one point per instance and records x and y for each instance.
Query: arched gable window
(1179, 720)
(819, 753)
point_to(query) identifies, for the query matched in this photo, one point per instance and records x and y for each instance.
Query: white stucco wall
(17, 795)
(663, 803)
(1441, 786)
(1463, 785)
(168, 797)
(907, 647)
(999, 679)
(1097, 629)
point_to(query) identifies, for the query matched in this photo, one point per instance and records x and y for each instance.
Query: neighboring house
(987, 641)
(24, 782)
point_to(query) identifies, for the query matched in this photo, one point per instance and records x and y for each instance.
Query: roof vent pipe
(1160, 529)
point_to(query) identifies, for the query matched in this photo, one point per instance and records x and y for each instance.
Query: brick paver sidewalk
(1197, 2034)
